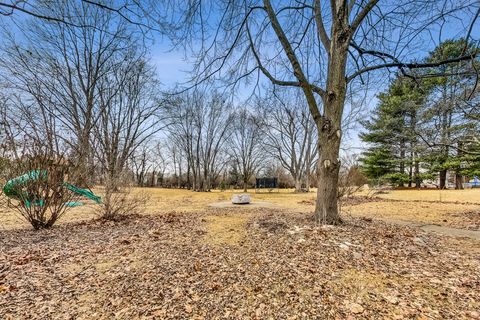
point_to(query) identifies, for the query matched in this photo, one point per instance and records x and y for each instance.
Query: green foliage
(397, 178)
(376, 163)
(425, 176)
(425, 126)
(391, 132)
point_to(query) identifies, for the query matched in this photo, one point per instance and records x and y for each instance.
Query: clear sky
(172, 68)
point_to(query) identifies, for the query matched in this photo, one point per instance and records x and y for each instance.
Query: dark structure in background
(266, 183)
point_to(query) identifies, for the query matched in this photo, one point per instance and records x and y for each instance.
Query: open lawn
(183, 259)
(458, 208)
(435, 195)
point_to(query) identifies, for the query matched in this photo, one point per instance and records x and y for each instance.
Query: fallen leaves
(162, 267)
(355, 308)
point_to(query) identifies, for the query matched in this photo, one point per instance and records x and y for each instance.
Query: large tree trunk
(298, 184)
(443, 179)
(179, 179)
(329, 129)
(307, 181)
(82, 172)
(326, 210)
(458, 174)
(153, 180)
(417, 174)
(410, 170)
(402, 161)
(458, 181)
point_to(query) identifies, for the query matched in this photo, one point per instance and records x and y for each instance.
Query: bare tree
(160, 162)
(291, 137)
(62, 67)
(129, 115)
(150, 162)
(141, 165)
(176, 160)
(129, 11)
(246, 144)
(322, 48)
(201, 124)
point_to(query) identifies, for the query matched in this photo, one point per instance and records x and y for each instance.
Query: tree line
(92, 96)
(423, 128)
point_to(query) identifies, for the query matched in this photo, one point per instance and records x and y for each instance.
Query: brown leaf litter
(264, 264)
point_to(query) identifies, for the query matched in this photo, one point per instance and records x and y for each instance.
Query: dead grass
(188, 201)
(423, 212)
(434, 195)
(414, 205)
(229, 229)
(161, 200)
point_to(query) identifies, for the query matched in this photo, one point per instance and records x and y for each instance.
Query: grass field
(459, 208)
(435, 195)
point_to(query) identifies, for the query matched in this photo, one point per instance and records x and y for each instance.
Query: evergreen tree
(393, 154)
(424, 127)
(446, 127)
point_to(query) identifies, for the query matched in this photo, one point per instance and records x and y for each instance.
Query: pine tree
(393, 154)
(446, 128)
(427, 126)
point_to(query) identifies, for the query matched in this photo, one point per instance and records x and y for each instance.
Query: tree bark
(298, 185)
(410, 170)
(458, 181)
(307, 181)
(326, 210)
(458, 175)
(443, 179)
(417, 174)
(329, 127)
(402, 161)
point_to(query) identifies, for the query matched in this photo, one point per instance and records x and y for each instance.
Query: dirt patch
(228, 229)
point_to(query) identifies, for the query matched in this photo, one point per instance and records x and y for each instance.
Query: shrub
(36, 187)
(120, 200)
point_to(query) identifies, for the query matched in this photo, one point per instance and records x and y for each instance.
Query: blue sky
(170, 65)
(173, 68)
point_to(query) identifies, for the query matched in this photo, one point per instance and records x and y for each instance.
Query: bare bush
(37, 187)
(120, 200)
(375, 190)
(350, 180)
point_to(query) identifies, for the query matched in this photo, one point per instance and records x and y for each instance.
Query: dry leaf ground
(279, 266)
(185, 260)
